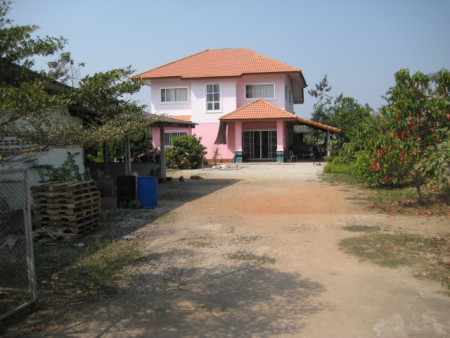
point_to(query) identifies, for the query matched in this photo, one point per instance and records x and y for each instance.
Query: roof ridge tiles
(273, 59)
(222, 62)
(169, 63)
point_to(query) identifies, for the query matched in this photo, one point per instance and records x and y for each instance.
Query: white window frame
(262, 97)
(213, 102)
(173, 102)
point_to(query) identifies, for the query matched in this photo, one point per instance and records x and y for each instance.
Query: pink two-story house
(242, 102)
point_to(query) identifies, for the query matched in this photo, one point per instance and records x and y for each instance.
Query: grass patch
(246, 239)
(338, 168)
(198, 242)
(396, 200)
(427, 256)
(404, 200)
(390, 195)
(362, 228)
(339, 178)
(100, 267)
(250, 257)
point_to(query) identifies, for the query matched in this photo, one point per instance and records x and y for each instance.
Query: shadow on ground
(53, 257)
(223, 301)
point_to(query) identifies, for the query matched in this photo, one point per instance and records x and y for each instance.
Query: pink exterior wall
(232, 97)
(259, 125)
(228, 100)
(156, 132)
(208, 133)
(278, 79)
(170, 108)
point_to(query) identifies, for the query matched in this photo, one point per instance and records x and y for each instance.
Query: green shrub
(361, 170)
(338, 168)
(68, 171)
(187, 152)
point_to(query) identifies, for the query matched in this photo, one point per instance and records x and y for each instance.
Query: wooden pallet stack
(65, 210)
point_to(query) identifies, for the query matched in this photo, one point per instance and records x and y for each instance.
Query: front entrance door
(260, 145)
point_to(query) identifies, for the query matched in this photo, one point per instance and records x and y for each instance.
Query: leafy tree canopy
(343, 112)
(29, 98)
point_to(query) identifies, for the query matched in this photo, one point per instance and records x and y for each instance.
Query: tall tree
(343, 112)
(322, 107)
(348, 115)
(29, 97)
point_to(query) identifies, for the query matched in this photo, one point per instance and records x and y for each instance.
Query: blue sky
(359, 44)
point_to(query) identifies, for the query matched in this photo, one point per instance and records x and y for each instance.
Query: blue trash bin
(147, 187)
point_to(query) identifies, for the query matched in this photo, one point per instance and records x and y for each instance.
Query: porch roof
(263, 110)
(317, 125)
(258, 110)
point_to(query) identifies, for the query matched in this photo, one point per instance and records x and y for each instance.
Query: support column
(162, 154)
(328, 144)
(105, 158)
(127, 158)
(280, 141)
(238, 142)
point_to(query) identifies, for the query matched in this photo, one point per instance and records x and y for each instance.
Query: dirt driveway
(253, 252)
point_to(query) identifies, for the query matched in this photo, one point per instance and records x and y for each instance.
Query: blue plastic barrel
(147, 191)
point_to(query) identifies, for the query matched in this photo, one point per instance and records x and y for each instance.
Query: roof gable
(228, 62)
(259, 109)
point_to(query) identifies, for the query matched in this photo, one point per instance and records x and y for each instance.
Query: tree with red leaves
(415, 145)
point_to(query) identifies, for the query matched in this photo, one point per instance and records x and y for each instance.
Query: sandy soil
(253, 252)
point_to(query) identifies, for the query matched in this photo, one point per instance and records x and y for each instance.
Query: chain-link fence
(17, 273)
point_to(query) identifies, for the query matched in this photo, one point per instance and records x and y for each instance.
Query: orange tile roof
(263, 110)
(259, 109)
(318, 124)
(228, 62)
(181, 117)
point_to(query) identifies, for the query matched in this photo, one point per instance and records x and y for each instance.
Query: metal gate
(17, 272)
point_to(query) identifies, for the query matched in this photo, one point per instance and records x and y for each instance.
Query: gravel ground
(252, 251)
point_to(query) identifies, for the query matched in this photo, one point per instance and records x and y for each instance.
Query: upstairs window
(171, 95)
(213, 97)
(256, 91)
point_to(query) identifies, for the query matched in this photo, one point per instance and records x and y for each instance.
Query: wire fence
(17, 271)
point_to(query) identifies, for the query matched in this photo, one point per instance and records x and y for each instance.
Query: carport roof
(167, 121)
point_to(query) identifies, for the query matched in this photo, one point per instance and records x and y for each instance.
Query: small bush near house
(187, 152)
(68, 171)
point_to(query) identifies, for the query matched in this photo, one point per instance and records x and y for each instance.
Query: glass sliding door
(260, 145)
